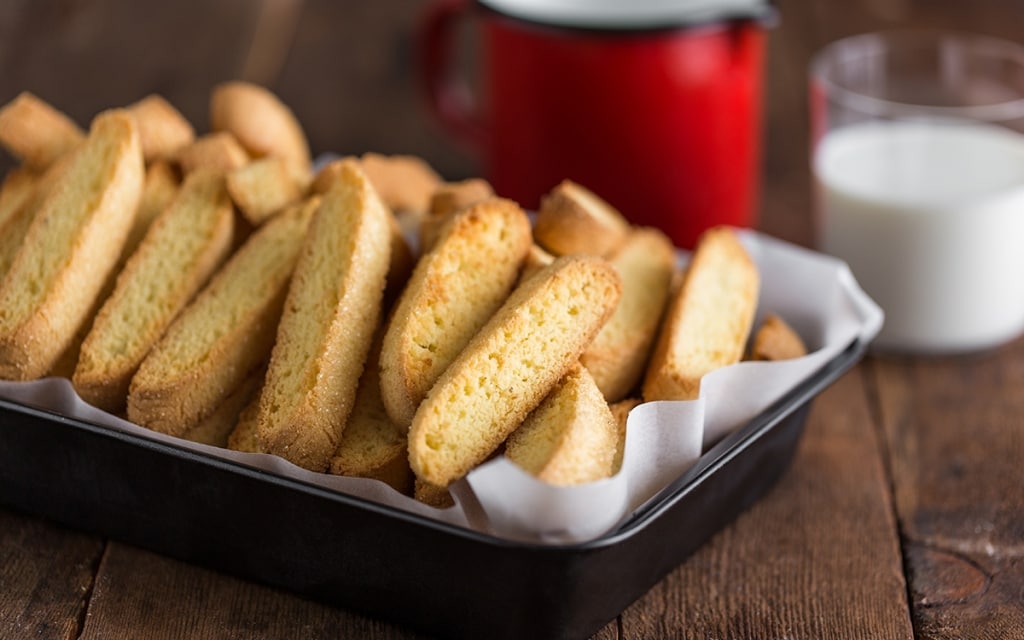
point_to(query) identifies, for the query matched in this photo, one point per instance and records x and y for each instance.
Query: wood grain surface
(901, 516)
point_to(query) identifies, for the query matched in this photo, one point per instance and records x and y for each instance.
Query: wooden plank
(47, 575)
(953, 432)
(139, 594)
(818, 557)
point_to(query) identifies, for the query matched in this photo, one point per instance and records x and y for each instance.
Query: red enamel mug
(655, 105)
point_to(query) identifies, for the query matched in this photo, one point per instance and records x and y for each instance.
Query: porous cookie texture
(224, 334)
(182, 248)
(709, 320)
(571, 438)
(329, 318)
(510, 366)
(617, 356)
(70, 248)
(454, 290)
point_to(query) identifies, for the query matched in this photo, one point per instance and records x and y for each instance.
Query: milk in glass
(930, 217)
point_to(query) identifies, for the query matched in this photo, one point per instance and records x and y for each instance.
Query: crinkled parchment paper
(815, 294)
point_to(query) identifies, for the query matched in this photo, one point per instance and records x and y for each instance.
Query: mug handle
(448, 95)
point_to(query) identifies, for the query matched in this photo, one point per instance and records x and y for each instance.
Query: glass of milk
(918, 164)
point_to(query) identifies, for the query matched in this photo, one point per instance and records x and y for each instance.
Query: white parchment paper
(816, 294)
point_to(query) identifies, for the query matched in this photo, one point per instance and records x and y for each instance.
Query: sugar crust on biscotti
(619, 353)
(454, 290)
(182, 248)
(572, 219)
(225, 333)
(70, 248)
(571, 437)
(326, 328)
(510, 366)
(709, 320)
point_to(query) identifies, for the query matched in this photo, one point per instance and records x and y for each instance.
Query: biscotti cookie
(244, 437)
(404, 182)
(216, 428)
(17, 221)
(432, 495)
(447, 200)
(776, 340)
(372, 445)
(536, 259)
(709, 320)
(218, 151)
(330, 315)
(70, 248)
(572, 219)
(224, 334)
(402, 256)
(621, 411)
(571, 438)
(264, 187)
(163, 130)
(260, 121)
(454, 290)
(35, 132)
(182, 248)
(510, 366)
(158, 190)
(18, 186)
(618, 354)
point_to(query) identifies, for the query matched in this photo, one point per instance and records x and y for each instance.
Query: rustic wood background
(901, 516)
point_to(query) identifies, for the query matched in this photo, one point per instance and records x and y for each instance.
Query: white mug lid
(631, 14)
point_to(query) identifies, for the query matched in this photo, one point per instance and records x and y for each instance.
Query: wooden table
(901, 516)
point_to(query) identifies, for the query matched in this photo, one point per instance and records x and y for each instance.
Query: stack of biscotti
(364, 317)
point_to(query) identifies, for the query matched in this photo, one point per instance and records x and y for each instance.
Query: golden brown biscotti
(163, 130)
(536, 259)
(182, 248)
(404, 182)
(447, 200)
(158, 190)
(224, 334)
(330, 315)
(17, 213)
(451, 197)
(18, 186)
(216, 428)
(776, 340)
(372, 445)
(617, 356)
(260, 121)
(17, 221)
(621, 411)
(510, 366)
(571, 437)
(264, 187)
(432, 495)
(572, 219)
(35, 132)
(402, 258)
(218, 151)
(70, 248)
(708, 322)
(244, 437)
(454, 290)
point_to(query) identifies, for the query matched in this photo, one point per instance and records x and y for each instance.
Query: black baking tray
(431, 576)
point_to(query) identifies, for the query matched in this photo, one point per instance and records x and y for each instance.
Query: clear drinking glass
(918, 164)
